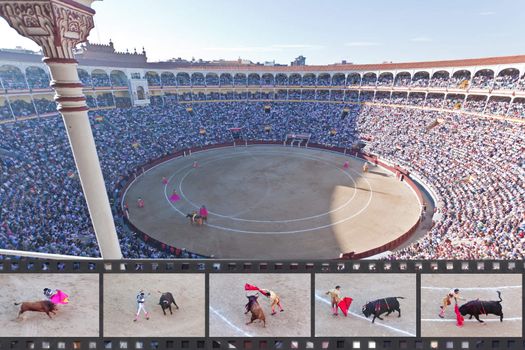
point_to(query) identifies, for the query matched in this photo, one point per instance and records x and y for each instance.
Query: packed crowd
(475, 166)
(46, 212)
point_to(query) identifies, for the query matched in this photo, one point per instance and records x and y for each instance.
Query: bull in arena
(256, 310)
(381, 306)
(166, 299)
(37, 306)
(482, 307)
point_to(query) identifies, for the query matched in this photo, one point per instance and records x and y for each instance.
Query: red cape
(460, 320)
(344, 305)
(252, 287)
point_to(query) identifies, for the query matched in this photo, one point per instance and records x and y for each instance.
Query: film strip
(211, 297)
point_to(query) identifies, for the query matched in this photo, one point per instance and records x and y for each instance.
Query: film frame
(209, 267)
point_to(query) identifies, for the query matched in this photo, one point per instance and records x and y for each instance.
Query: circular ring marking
(231, 217)
(278, 232)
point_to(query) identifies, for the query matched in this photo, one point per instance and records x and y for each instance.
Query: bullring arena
(78, 318)
(271, 201)
(472, 287)
(120, 291)
(363, 288)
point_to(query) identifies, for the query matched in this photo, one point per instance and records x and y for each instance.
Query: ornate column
(58, 26)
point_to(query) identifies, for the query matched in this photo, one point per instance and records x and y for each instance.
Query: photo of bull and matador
(260, 305)
(365, 305)
(148, 305)
(49, 305)
(471, 305)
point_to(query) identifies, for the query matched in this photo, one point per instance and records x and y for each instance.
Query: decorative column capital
(57, 26)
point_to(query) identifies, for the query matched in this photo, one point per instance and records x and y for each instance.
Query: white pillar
(74, 112)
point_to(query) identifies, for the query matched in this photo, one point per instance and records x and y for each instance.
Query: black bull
(166, 299)
(480, 307)
(381, 306)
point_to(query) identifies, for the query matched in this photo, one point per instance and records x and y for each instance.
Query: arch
(323, 95)
(295, 79)
(324, 79)
(84, 76)
(421, 78)
(385, 79)
(369, 79)
(439, 79)
(353, 79)
(416, 98)
(239, 79)
(435, 100)
(383, 96)
(267, 79)
(399, 97)
(366, 95)
(460, 79)
(308, 94)
(454, 101)
(484, 72)
(12, 77)
(498, 105)
(105, 99)
(22, 106)
(141, 95)
(338, 79)
(281, 79)
(352, 95)
(118, 78)
(309, 79)
(507, 79)
(402, 79)
(483, 79)
(517, 108)
(337, 95)
(281, 94)
(37, 78)
(197, 79)
(475, 103)
(100, 78)
(212, 79)
(152, 78)
(254, 79)
(226, 79)
(168, 79)
(183, 79)
(462, 74)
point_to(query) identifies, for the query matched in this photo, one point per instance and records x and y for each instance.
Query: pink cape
(174, 197)
(165, 181)
(203, 212)
(346, 165)
(59, 298)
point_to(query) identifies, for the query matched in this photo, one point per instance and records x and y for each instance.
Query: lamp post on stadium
(57, 26)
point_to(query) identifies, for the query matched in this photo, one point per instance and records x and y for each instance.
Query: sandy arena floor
(273, 202)
(364, 288)
(79, 318)
(483, 286)
(228, 298)
(120, 292)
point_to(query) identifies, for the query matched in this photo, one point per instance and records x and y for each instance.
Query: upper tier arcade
(490, 86)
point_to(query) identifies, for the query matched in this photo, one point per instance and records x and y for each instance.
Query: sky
(324, 31)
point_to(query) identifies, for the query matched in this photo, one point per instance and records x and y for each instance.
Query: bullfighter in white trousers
(141, 298)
